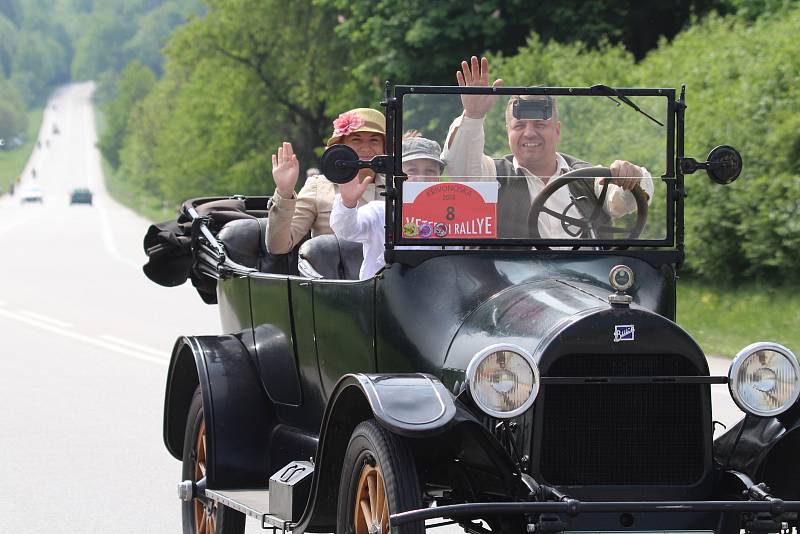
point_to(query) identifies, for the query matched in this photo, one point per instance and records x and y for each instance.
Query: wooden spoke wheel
(371, 514)
(202, 515)
(379, 478)
(204, 510)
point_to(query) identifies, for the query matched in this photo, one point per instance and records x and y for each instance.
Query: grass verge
(12, 162)
(723, 320)
(119, 188)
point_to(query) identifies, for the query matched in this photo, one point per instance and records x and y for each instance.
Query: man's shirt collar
(562, 168)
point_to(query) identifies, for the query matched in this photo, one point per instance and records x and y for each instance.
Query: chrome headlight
(764, 379)
(503, 380)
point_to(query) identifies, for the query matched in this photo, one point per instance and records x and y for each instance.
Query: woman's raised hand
(285, 169)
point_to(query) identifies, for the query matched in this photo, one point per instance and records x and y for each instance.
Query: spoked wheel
(371, 512)
(202, 515)
(379, 478)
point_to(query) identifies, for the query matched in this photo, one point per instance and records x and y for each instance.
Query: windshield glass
(558, 168)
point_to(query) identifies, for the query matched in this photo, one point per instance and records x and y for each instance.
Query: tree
(8, 45)
(422, 41)
(153, 28)
(134, 83)
(232, 92)
(13, 119)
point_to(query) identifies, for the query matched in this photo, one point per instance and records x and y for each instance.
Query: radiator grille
(621, 434)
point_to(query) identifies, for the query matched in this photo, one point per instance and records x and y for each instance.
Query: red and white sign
(455, 210)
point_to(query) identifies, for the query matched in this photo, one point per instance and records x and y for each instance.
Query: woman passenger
(292, 216)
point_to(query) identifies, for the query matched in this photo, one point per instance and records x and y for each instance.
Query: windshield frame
(395, 176)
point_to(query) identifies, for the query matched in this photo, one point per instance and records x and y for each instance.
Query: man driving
(533, 134)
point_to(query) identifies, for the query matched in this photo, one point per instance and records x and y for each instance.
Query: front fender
(766, 451)
(408, 404)
(416, 406)
(238, 415)
(412, 405)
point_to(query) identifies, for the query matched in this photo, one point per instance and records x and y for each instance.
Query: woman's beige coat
(290, 219)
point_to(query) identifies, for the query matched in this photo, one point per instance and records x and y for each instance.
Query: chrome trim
(739, 360)
(621, 287)
(491, 349)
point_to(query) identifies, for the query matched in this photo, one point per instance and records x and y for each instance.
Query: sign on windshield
(450, 209)
(559, 168)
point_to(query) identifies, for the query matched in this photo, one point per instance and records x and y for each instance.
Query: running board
(254, 503)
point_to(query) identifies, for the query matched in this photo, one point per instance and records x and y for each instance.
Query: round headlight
(503, 380)
(764, 379)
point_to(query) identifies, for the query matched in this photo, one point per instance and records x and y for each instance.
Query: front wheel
(202, 515)
(379, 478)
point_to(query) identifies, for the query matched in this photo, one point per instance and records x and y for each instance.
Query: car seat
(244, 241)
(327, 256)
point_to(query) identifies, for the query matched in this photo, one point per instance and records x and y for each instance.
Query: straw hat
(357, 120)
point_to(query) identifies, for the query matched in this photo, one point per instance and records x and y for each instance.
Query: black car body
(319, 378)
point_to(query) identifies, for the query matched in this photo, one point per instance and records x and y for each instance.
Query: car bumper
(776, 508)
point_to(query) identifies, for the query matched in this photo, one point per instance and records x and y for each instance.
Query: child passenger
(421, 162)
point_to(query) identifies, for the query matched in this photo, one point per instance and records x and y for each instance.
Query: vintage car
(514, 367)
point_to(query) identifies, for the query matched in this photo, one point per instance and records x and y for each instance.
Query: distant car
(31, 193)
(80, 195)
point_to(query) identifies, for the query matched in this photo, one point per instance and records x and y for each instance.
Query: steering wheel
(592, 226)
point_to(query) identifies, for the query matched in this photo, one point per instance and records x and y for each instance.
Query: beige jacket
(290, 219)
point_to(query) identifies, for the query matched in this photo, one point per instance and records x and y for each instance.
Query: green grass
(12, 162)
(151, 208)
(723, 320)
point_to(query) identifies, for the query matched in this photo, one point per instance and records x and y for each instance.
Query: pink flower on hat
(347, 123)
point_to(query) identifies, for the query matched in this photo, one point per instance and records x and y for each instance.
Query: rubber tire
(399, 473)
(228, 521)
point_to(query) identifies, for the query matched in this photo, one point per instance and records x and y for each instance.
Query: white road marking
(134, 346)
(85, 339)
(108, 238)
(46, 319)
(97, 181)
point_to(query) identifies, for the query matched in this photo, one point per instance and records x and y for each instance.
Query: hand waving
(285, 169)
(474, 75)
(354, 190)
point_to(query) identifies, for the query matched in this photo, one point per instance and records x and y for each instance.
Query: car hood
(548, 318)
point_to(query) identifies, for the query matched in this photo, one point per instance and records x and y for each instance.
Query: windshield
(558, 168)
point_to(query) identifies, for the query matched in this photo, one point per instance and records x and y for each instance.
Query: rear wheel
(378, 479)
(202, 515)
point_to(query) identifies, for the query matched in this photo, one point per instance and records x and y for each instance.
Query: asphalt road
(84, 351)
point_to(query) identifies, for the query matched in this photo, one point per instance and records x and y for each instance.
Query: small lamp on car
(503, 380)
(764, 379)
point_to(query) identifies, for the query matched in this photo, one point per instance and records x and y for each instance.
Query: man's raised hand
(474, 74)
(285, 169)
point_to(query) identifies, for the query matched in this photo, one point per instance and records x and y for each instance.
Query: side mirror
(724, 164)
(339, 164)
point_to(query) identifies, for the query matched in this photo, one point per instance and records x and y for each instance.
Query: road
(85, 346)
(86, 340)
